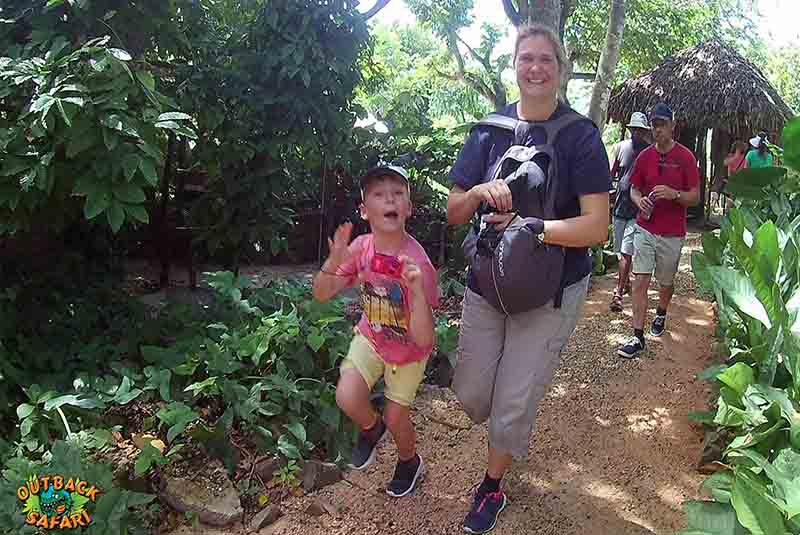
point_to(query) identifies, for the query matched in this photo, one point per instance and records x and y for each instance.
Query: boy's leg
(352, 396)
(402, 383)
(359, 372)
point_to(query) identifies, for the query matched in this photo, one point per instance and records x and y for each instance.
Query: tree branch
(475, 55)
(512, 13)
(379, 4)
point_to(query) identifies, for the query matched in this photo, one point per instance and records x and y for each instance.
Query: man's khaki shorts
(401, 380)
(658, 254)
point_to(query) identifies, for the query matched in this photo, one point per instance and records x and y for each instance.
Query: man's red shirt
(676, 169)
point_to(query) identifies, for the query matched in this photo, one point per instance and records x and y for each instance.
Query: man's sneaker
(365, 450)
(406, 475)
(616, 302)
(631, 348)
(659, 326)
(486, 507)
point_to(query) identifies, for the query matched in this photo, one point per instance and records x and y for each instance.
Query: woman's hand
(495, 193)
(500, 221)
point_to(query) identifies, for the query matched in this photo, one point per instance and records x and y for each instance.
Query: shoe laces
(634, 340)
(493, 495)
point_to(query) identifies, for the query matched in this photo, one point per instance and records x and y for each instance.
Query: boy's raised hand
(338, 245)
(411, 274)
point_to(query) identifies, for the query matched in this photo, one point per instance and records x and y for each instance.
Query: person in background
(761, 156)
(665, 181)
(734, 161)
(624, 223)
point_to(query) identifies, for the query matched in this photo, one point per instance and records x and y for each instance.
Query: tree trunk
(598, 107)
(546, 12)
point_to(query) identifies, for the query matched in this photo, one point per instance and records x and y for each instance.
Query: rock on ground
(215, 507)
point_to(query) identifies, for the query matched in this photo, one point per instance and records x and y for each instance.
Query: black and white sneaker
(659, 326)
(366, 446)
(631, 348)
(406, 475)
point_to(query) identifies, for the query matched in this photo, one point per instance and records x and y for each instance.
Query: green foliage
(84, 126)
(753, 269)
(655, 29)
(780, 68)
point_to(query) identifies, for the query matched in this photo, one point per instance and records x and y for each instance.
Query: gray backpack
(515, 271)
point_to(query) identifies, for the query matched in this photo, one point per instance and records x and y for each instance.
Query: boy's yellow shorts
(402, 380)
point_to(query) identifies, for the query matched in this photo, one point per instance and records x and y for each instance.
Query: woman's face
(538, 72)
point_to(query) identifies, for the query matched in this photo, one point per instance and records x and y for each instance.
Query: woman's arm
(585, 230)
(462, 204)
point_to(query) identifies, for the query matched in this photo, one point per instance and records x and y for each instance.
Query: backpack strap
(498, 121)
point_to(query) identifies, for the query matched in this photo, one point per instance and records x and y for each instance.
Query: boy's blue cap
(383, 170)
(661, 111)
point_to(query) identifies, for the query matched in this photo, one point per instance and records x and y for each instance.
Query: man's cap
(661, 111)
(638, 120)
(383, 170)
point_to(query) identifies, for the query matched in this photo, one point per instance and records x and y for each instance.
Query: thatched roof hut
(710, 86)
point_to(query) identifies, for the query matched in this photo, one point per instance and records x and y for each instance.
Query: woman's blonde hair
(536, 30)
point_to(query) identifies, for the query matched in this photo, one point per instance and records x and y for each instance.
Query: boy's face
(386, 204)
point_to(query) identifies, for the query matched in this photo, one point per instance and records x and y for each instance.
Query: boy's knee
(345, 398)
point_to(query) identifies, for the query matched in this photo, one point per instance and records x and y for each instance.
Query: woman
(761, 156)
(506, 363)
(734, 161)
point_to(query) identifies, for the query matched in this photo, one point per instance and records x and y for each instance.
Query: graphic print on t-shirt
(384, 306)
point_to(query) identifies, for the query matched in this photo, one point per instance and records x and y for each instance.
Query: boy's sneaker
(631, 348)
(659, 326)
(366, 447)
(406, 475)
(486, 507)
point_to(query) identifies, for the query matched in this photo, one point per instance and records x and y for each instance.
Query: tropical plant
(753, 269)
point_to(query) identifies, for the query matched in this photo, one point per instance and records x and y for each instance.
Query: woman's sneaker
(366, 446)
(631, 348)
(486, 507)
(406, 475)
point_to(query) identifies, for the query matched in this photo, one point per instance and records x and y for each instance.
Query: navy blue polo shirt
(582, 165)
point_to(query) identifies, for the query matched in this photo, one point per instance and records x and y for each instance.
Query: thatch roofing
(708, 86)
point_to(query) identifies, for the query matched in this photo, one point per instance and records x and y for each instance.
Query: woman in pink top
(734, 161)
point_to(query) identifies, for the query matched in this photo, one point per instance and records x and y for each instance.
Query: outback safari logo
(57, 502)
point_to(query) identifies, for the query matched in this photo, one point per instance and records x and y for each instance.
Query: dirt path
(613, 451)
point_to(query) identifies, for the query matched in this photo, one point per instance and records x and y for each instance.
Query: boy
(396, 334)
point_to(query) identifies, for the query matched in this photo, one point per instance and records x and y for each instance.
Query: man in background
(624, 223)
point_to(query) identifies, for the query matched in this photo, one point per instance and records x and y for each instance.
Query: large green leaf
(791, 143)
(753, 510)
(712, 518)
(129, 193)
(740, 290)
(720, 484)
(738, 377)
(750, 183)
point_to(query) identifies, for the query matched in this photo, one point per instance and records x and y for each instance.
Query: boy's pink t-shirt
(385, 300)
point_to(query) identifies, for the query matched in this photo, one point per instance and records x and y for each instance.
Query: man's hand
(664, 192)
(496, 193)
(338, 247)
(645, 204)
(412, 275)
